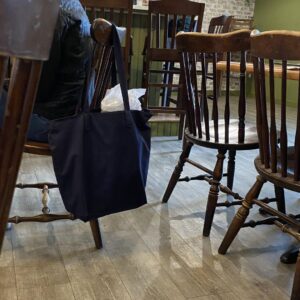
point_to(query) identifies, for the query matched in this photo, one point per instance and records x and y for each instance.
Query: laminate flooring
(154, 252)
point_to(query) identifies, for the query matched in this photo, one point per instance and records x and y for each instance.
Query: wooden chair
(278, 165)
(165, 19)
(29, 48)
(220, 24)
(217, 25)
(118, 12)
(227, 130)
(102, 64)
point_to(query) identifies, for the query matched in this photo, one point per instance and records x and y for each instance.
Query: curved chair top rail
(208, 42)
(27, 35)
(281, 44)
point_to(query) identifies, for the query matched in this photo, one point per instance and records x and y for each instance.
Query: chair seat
(276, 178)
(250, 142)
(37, 148)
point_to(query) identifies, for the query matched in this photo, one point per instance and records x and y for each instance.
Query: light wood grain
(8, 293)
(292, 73)
(7, 276)
(154, 252)
(57, 292)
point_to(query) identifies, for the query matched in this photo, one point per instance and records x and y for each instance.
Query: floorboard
(154, 252)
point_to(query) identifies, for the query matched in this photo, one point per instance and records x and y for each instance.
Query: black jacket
(64, 74)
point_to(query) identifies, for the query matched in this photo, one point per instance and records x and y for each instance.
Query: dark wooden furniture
(220, 24)
(225, 128)
(100, 71)
(165, 19)
(278, 164)
(217, 25)
(29, 48)
(118, 12)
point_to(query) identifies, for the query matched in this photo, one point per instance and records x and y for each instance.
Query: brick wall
(237, 8)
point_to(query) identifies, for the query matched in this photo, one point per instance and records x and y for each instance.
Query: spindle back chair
(220, 24)
(118, 12)
(100, 73)
(165, 19)
(276, 163)
(219, 124)
(29, 48)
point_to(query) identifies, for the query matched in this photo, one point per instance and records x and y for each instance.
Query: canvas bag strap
(120, 66)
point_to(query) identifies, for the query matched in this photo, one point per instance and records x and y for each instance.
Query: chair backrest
(195, 49)
(220, 24)
(101, 71)
(167, 17)
(27, 33)
(270, 60)
(118, 12)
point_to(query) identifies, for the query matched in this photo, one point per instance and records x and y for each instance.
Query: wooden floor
(155, 252)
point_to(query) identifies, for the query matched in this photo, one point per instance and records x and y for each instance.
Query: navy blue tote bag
(101, 159)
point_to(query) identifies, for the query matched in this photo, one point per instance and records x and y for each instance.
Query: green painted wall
(279, 14)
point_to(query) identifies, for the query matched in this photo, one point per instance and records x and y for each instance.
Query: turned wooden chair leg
(231, 168)
(213, 193)
(177, 171)
(241, 215)
(180, 96)
(96, 233)
(296, 285)
(280, 198)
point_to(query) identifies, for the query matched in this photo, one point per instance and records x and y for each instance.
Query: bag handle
(120, 66)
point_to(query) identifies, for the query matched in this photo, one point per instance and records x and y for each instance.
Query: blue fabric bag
(101, 159)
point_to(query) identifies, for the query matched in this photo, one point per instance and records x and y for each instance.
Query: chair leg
(180, 96)
(231, 168)
(213, 193)
(181, 127)
(96, 233)
(296, 285)
(241, 215)
(177, 171)
(280, 198)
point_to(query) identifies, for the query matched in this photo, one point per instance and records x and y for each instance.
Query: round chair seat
(37, 148)
(250, 141)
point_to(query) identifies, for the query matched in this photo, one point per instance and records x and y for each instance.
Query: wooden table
(292, 72)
